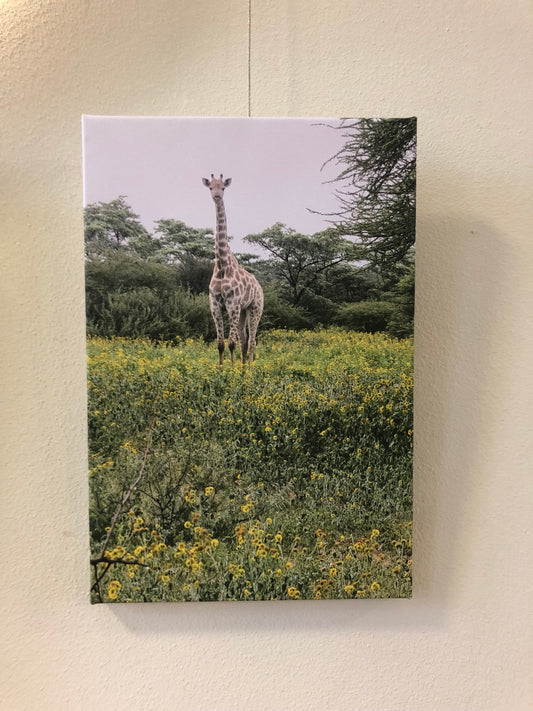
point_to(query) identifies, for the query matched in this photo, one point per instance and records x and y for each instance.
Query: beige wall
(465, 69)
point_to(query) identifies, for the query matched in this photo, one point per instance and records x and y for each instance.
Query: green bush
(365, 316)
(278, 313)
(401, 323)
(163, 316)
(128, 297)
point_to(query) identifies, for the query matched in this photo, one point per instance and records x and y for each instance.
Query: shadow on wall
(455, 351)
(459, 290)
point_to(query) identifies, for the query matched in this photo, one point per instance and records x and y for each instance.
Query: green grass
(290, 481)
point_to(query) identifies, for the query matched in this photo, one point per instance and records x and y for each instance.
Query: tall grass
(292, 480)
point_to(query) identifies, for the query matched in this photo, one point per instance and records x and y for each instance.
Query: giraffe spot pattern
(232, 286)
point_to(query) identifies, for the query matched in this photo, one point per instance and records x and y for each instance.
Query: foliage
(401, 323)
(194, 274)
(278, 313)
(155, 285)
(161, 317)
(129, 297)
(176, 240)
(112, 226)
(378, 173)
(366, 316)
(289, 481)
(298, 260)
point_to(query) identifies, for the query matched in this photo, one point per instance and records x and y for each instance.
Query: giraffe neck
(223, 255)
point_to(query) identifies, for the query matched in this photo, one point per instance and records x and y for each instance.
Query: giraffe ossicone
(231, 286)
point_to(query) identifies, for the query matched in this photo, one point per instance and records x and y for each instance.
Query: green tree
(401, 323)
(176, 240)
(127, 296)
(378, 177)
(112, 226)
(195, 274)
(298, 261)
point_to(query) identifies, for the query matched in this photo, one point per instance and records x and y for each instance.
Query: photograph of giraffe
(250, 319)
(232, 287)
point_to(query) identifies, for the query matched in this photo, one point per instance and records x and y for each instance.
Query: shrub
(277, 313)
(131, 298)
(365, 316)
(401, 323)
(163, 316)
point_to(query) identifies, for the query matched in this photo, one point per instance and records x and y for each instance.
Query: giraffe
(232, 286)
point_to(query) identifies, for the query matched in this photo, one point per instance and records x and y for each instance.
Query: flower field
(289, 481)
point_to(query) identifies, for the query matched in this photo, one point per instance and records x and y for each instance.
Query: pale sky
(159, 163)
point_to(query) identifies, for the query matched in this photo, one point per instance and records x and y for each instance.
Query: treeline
(156, 285)
(358, 274)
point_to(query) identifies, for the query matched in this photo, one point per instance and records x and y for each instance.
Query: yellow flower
(114, 589)
(187, 524)
(209, 490)
(348, 589)
(293, 592)
(375, 586)
(374, 534)
(262, 551)
(214, 543)
(278, 537)
(190, 497)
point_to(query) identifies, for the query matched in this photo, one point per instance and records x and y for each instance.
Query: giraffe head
(217, 186)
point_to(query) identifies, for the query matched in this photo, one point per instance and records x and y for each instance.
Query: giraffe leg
(216, 312)
(234, 313)
(243, 334)
(254, 318)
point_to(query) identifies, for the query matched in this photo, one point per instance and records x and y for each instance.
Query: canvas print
(250, 306)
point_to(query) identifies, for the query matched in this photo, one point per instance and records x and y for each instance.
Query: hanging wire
(249, 58)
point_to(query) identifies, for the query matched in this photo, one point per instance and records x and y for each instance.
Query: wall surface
(464, 68)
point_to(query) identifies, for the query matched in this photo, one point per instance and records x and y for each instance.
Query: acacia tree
(378, 176)
(176, 240)
(300, 260)
(110, 226)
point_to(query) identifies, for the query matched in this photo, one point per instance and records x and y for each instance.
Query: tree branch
(129, 491)
(124, 561)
